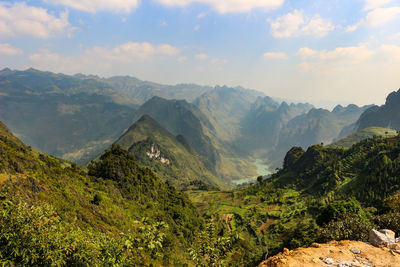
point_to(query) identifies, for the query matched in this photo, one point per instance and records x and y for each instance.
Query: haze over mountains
(77, 117)
(158, 187)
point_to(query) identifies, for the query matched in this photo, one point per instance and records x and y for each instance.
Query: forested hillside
(171, 157)
(118, 213)
(321, 194)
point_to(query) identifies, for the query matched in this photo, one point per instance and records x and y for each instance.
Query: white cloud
(196, 28)
(9, 50)
(92, 6)
(218, 61)
(376, 18)
(275, 55)
(133, 51)
(372, 4)
(229, 6)
(340, 58)
(201, 56)
(351, 53)
(382, 16)
(296, 24)
(306, 52)
(19, 19)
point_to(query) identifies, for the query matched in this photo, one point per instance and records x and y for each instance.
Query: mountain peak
(393, 98)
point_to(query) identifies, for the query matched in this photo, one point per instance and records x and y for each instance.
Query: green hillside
(54, 213)
(322, 194)
(364, 134)
(172, 158)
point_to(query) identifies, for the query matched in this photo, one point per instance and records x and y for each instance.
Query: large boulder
(383, 237)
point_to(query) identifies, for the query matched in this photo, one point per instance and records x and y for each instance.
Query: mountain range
(229, 129)
(157, 190)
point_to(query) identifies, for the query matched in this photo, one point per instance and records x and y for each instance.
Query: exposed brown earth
(336, 253)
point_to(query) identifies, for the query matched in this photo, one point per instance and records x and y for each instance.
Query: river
(262, 169)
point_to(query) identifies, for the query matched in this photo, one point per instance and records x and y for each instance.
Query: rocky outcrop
(382, 237)
(156, 154)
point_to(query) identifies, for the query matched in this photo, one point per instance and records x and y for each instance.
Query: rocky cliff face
(155, 153)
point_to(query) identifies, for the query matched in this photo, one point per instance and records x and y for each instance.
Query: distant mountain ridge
(76, 117)
(231, 129)
(226, 107)
(386, 116)
(63, 115)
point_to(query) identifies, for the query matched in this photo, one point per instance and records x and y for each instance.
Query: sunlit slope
(171, 157)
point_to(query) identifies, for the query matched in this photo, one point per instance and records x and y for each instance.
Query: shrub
(347, 226)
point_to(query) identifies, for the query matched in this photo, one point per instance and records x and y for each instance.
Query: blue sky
(321, 50)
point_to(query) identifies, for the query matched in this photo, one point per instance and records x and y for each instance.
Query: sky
(344, 51)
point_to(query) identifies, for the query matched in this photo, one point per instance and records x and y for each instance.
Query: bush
(347, 226)
(388, 221)
(35, 235)
(333, 210)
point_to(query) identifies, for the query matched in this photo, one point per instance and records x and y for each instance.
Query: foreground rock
(382, 237)
(335, 253)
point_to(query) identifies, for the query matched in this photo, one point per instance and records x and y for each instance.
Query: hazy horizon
(317, 52)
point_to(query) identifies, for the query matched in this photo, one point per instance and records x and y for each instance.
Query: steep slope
(120, 213)
(225, 108)
(364, 134)
(316, 126)
(63, 115)
(182, 118)
(262, 126)
(387, 115)
(172, 158)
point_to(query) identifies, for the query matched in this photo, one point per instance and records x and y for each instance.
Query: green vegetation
(171, 158)
(364, 134)
(53, 212)
(321, 194)
(116, 212)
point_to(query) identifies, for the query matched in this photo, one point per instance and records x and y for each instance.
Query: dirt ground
(335, 253)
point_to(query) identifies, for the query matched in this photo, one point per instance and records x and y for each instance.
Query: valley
(225, 175)
(199, 133)
(262, 170)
